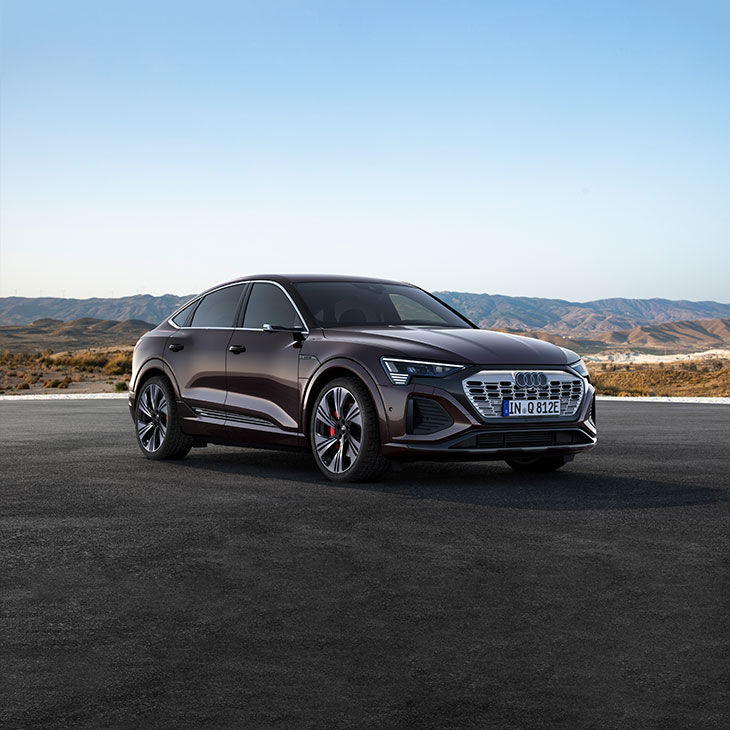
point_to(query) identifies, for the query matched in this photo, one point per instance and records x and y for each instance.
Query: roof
(296, 278)
(299, 278)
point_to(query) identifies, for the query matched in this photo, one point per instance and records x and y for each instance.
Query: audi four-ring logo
(531, 379)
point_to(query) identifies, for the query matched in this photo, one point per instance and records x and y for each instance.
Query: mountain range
(492, 311)
(145, 307)
(668, 337)
(55, 334)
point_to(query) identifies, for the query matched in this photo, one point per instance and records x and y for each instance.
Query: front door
(262, 368)
(197, 352)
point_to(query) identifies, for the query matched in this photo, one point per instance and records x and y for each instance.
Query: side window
(182, 316)
(269, 305)
(218, 309)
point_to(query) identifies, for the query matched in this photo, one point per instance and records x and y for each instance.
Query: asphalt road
(237, 588)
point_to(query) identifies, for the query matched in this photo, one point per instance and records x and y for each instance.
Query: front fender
(343, 363)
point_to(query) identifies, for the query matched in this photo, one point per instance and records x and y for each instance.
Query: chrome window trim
(195, 299)
(305, 331)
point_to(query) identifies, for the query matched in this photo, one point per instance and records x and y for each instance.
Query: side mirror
(282, 328)
(297, 331)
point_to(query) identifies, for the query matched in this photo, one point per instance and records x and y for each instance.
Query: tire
(539, 464)
(157, 422)
(344, 434)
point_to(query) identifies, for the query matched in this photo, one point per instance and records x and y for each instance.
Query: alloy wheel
(152, 417)
(338, 429)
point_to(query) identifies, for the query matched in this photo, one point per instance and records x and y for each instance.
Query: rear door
(197, 351)
(262, 368)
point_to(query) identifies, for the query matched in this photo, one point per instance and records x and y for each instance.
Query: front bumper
(469, 436)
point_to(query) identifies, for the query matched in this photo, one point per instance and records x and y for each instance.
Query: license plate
(531, 407)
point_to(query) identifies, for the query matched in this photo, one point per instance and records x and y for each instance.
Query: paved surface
(236, 588)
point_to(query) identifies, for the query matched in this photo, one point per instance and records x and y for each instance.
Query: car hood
(481, 347)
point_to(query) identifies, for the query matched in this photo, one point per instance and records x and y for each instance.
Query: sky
(576, 150)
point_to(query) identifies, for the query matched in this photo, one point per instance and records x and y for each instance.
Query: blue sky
(563, 149)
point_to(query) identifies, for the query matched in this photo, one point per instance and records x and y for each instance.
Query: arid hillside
(703, 334)
(55, 335)
(709, 377)
(576, 319)
(87, 355)
(491, 311)
(668, 337)
(144, 307)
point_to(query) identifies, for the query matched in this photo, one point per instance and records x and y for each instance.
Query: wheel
(344, 433)
(158, 423)
(540, 463)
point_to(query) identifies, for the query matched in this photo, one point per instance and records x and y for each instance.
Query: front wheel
(538, 464)
(344, 433)
(157, 422)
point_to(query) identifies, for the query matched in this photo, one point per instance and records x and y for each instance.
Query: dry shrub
(119, 364)
(696, 378)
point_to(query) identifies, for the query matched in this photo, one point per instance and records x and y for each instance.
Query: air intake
(426, 415)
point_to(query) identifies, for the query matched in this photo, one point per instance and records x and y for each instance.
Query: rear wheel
(344, 433)
(540, 463)
(157, 422)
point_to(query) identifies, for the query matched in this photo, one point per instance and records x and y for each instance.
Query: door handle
(176, 347)
(236, 349)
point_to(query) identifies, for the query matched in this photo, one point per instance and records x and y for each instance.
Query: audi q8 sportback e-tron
(361, 371)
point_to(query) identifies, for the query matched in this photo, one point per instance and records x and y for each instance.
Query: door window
(218, 309)
(269, 305)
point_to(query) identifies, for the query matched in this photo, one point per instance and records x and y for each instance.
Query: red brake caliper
(332, 430)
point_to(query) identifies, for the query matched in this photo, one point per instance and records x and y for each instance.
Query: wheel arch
(338, 368)
(155, 366)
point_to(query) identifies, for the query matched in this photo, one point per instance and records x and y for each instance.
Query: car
(364, 372)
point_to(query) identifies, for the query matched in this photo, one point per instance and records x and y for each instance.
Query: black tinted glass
(269, 305)
(218, 309)
(181, 318)
(353, 304)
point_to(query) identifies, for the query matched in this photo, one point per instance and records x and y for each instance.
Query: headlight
(580, 368)
(400, 371)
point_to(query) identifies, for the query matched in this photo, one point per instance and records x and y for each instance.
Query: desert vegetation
(101, 369)
(691, 378)
(88, 370)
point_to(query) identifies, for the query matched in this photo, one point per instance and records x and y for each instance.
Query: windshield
(354, 304)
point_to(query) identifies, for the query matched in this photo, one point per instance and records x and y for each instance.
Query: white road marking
(666, 399)
(66, 396)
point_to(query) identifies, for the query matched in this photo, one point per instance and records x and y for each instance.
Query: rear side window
(218, 309)
(269, 305)
(182, 316)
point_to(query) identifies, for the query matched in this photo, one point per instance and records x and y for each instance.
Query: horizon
(433, 291)
(462, 147)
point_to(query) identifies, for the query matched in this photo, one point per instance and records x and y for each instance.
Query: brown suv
(361, 371)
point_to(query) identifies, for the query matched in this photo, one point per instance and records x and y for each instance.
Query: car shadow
(491, 484)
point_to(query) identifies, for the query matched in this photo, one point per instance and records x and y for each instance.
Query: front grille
(487, 389)
(523, 439)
